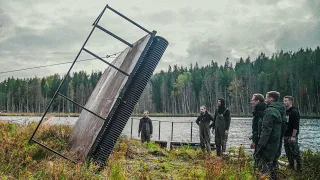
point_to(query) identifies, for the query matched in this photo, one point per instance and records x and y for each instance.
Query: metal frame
(95, 25)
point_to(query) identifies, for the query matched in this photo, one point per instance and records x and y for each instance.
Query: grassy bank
(140, 115)
(41, 114)
(130, 160)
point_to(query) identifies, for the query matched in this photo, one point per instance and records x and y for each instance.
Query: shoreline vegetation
(140, 115)
(130, 160)
(183, 89)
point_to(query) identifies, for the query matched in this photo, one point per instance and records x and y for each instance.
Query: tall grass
(40, 114)
(129, 160)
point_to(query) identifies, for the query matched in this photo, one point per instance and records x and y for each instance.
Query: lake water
(240, 129)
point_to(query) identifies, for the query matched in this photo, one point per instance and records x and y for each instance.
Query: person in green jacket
(259, 107)
(220, 126)
(270, 133)
(145, 127)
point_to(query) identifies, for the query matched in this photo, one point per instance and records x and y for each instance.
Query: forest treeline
(181, 90)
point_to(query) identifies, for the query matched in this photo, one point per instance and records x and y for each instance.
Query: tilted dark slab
(105, 98)
(109, 134)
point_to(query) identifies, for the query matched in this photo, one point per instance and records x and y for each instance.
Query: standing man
(257, 102)
(221, 124)
(291, 145)
(203, 122)
(269, 140)
(145, 127)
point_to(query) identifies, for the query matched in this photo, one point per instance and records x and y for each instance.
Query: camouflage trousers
(292, 151)
(204, 132)
(221, 139)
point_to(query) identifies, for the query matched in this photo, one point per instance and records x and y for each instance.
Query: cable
(37, 67)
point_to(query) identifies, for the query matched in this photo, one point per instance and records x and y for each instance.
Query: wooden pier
(177, 144)
(173, 144)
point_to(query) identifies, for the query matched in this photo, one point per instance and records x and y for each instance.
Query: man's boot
(273, 171)
(299, 164)
(276, 165)
(218, 150)
(203, 150)
(291, 163)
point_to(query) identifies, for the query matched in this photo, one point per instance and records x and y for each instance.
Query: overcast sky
(37, 32)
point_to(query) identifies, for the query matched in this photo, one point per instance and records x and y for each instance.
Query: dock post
(191, 132)
(171, 131)
(159, 129)
(131, 127)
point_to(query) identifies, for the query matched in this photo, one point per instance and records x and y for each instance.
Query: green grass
(40, 114)
(129, 160)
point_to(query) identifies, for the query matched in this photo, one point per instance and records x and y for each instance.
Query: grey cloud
(203, 51)
(261, 2)
(181, 16)
(314, 7)
(36, 31)
(190, 15)
(305, 35)
(65, 37)
(302, 30)
(165, 17)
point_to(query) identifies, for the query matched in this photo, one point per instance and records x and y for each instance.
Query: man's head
(145, 113)
(256, 99)
(221, 102)
(272, 96)
(288, 101)
(203, 109)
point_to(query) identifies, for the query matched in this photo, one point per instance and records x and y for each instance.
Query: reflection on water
(240, 129)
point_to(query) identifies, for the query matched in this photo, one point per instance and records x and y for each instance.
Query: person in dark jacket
(270, 134)
(203, 122)
(145, 127)
(291, 145)
(220, 126)
(257, 102)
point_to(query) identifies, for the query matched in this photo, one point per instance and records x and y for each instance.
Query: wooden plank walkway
(178, 144)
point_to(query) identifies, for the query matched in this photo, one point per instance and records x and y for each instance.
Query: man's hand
(227, 132)
(252, 146)
(250, 137)
(293, 139)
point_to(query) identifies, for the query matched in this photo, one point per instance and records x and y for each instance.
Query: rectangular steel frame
(57, 92)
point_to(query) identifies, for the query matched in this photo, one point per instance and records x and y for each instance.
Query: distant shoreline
(139, 115)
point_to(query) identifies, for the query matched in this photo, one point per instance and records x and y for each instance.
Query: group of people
(273, 122)
(219, 126)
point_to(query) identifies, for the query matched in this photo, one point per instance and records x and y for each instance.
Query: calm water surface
(240, 129)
